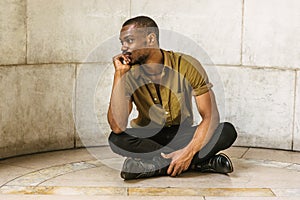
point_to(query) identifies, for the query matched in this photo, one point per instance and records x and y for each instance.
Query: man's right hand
(122, 63)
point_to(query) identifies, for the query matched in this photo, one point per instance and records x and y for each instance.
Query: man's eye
(129, 41)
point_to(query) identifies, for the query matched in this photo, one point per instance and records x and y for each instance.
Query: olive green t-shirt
(182, 77)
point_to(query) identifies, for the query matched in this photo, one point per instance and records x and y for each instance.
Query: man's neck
(154, 64)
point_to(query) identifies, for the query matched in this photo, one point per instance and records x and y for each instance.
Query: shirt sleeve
(196, 76)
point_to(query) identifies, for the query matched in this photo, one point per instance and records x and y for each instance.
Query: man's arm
(207, 107)
(120, 106)
(208, 110)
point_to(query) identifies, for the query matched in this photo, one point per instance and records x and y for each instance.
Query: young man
(161, 84)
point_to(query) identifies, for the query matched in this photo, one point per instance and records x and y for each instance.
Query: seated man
(161, 84)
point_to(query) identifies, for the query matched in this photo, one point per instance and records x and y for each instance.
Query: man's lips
(126, 53)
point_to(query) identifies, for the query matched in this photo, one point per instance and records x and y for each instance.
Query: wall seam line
(254, 67)
(75, 107)
(130, 8)
(242, 32)
(26, 32)
(216, 65)
(294, 110)
(53, 63)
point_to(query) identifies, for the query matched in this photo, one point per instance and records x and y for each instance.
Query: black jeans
(147, 143)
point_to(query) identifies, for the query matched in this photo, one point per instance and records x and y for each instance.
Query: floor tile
(80, 174)
(37, 177)
(88, 197)
(251, 198)
(236, 152)
(200, 192)
(287, 192)
(8, 172)
(275, 155)
(43, 160)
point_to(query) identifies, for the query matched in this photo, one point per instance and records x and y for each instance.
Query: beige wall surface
(56, 71)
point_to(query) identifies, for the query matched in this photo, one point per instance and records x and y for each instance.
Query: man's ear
(151, 39)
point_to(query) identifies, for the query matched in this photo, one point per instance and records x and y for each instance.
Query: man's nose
(124, 48)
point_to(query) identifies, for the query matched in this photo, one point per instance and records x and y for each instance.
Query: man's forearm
(118, 111)
(203, 134)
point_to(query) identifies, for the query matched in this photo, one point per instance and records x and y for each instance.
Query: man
(161, 84)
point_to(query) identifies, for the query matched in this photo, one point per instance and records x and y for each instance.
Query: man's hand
(122, 62)
(181, 160)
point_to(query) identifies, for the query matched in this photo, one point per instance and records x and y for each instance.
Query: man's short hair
(144, 22)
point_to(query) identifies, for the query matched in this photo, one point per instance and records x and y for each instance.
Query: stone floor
(93, 173)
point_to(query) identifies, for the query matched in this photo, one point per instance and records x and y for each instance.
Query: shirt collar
(137, 71)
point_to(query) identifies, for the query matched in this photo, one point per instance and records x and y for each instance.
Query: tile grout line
(47, 168)
(245, 153)
(290, 165)
(206, 192)
(273, 192)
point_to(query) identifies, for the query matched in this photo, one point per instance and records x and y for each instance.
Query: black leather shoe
(218, 164)
(140, 168)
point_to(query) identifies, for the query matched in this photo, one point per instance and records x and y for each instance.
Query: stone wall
(56, 72)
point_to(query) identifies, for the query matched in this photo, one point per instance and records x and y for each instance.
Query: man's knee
(115, 138)
(229, 132)
(116, 142)
(230, 129)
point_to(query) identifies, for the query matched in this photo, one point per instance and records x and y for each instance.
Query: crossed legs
(150, 143)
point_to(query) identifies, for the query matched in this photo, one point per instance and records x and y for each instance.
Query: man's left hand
(181, 160)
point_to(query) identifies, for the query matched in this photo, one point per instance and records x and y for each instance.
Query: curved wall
(254, 45)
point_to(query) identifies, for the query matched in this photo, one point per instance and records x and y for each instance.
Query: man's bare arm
(208, 110)
(182, 158)
(120, 106)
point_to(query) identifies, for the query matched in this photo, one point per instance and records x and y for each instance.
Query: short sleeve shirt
(182, 77)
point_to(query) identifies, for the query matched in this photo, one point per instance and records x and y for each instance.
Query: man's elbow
(117, 130)
(116, 127)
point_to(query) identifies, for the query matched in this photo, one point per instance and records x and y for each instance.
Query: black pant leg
(130, 145)
(142, 143)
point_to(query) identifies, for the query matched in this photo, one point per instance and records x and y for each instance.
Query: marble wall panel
(12, 32)
(94, 82)
(36, 100)
(260, 102)
(68, 30)
(214, 25)
(36, 108)
(271, 33)
(296, 144)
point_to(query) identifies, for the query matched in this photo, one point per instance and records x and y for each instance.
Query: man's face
(134, 43)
